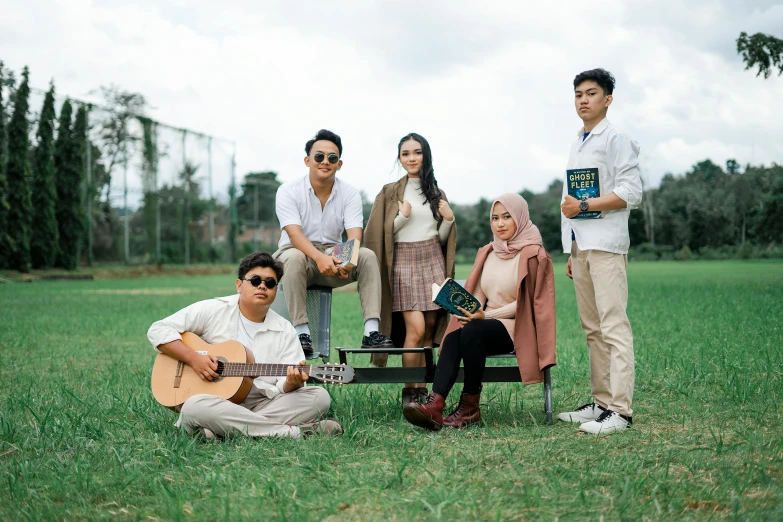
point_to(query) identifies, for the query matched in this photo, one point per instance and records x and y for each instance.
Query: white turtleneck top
(419, 225)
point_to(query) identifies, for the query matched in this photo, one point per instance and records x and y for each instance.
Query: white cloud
(490, 87)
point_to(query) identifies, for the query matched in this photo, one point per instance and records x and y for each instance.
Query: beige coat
(379, 237)
(534, 325)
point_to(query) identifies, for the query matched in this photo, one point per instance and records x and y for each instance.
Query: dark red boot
(466, 413)
(428, 415)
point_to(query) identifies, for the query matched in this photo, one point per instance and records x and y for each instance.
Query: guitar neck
(261, 369)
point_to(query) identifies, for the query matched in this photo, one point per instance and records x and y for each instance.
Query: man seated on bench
(513, 280)
(282, 407)
(313, 212)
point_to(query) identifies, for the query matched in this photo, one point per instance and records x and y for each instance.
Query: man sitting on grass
(283, 406)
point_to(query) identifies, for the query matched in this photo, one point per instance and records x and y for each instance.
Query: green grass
(82, 438)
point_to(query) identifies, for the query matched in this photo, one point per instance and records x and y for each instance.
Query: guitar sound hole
(222, 361)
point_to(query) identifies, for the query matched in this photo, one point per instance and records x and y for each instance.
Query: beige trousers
(299, 272)
(257, 415)
(602, 297)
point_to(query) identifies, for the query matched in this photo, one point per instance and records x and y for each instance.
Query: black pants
(471, 344)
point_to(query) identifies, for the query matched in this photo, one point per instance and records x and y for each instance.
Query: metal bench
(504, 373)
(319, 313)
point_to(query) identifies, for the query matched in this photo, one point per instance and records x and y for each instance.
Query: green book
(451, 294)
(584, 184)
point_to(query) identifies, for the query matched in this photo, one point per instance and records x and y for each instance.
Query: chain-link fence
(155, 193)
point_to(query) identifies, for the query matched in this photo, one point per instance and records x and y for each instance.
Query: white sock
(303, 328)
(371, 325)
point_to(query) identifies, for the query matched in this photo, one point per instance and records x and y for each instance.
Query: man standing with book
(594, 228)
(313, 212)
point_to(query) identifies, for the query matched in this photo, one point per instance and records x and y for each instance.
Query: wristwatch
(583, 206)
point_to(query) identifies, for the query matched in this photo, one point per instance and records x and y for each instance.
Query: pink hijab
(526, 234)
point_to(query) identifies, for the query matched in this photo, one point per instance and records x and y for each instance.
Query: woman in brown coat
(411, 230)
(513, 280)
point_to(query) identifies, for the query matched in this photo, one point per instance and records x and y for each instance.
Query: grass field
(82, 438)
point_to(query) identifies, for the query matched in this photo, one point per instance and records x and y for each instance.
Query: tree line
(41, 212)
(706, 212)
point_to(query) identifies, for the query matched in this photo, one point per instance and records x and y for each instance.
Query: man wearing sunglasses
(275, 406)
(313, 212)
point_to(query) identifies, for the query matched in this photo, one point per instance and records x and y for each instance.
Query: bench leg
(548, 396)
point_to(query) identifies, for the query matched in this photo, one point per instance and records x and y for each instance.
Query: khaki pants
(257, 415)
(602, 297)
(299, 272)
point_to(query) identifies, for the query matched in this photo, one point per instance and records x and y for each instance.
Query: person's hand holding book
(327, 265)
(468, 317)
(570, 207)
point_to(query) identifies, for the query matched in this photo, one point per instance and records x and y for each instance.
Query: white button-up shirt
(297, 204)
(616, 156)
(217, 320)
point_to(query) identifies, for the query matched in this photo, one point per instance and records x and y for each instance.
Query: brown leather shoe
(428, 415)
(466, 413)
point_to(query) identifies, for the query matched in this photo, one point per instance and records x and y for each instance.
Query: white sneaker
(585, 413)
(608, 422)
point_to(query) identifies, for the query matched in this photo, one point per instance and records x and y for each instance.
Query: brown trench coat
(379, 237)
(534, 327)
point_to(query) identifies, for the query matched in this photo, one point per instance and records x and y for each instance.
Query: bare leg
(414, 335)
(430, 321)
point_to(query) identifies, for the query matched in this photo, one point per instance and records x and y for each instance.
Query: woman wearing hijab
(513, 280)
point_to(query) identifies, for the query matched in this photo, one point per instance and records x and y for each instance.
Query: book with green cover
(584, 184)
(451, 294)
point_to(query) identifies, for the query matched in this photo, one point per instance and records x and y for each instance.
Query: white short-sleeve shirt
(218, 320)
(297, 204)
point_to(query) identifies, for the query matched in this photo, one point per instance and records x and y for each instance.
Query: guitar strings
(266, 370)
(271, 370)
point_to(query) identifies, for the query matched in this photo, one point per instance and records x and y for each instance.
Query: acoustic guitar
(174, 382)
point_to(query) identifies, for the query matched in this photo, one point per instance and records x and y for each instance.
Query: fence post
(125, 204)
(211, 196)
(233, 217)
(187, 199)
(90, 194)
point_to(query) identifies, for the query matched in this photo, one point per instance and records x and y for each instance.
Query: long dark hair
(429, 185)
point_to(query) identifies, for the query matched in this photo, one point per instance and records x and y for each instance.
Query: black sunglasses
(256, 281)
(319, 157)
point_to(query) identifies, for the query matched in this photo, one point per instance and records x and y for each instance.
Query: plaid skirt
(416, 266)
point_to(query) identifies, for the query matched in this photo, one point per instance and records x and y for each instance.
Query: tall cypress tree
(70, 209)
(64, 160)
(43, 237)
(18, 172)
(5, 240)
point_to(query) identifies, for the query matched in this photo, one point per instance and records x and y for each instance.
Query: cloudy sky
(488, 83)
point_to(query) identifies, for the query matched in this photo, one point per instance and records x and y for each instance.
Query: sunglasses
(319, 157)
(256, 281)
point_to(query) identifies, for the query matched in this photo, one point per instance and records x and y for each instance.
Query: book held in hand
(451, 294)
(347, 253)
(584, 184)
